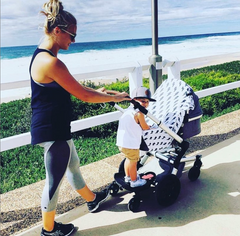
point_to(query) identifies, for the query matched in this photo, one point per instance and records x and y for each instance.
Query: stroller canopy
(174, 98)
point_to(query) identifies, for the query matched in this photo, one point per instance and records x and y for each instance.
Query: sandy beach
(21, 89)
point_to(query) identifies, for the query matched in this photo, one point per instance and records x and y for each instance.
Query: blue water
(26, 51)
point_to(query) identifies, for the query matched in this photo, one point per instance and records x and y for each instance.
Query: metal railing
(135, 80)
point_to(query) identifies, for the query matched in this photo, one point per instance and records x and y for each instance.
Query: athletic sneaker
(100, 198)
(137, 183)
(127, 179)
(59, 230)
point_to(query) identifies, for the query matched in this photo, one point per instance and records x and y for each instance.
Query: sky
(103, 20)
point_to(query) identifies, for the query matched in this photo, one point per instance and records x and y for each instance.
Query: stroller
(174, 117)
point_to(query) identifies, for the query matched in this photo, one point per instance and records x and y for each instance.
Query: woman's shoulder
(47, 60)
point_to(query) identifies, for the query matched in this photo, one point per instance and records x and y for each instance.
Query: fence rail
(135, 79)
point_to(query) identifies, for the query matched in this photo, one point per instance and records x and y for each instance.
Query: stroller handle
(138, 106)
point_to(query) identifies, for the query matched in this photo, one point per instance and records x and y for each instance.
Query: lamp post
(155, 70)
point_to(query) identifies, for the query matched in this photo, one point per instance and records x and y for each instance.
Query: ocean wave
(16, 69)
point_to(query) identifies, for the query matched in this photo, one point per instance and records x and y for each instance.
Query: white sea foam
(17, 69)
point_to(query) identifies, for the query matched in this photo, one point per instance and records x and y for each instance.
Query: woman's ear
(57, 30)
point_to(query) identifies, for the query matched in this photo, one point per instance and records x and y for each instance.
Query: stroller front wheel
(113, 188)
(194, 173)
(168, 189)
(134, 204)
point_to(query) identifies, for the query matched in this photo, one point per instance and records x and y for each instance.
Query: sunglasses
(72, 35)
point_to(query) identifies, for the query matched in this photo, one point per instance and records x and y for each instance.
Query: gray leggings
(60, 157)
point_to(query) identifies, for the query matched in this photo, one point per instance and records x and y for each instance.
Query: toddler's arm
(140, 119)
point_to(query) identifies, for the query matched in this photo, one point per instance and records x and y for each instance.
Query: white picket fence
(135, 80)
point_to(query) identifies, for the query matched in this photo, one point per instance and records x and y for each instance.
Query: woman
(52, 85)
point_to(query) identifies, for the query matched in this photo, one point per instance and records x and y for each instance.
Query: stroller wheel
(113, 188)
(168, 189)
(194, 173)
(134, 204)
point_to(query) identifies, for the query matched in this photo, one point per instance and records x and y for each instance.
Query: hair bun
(56, 16)
(52, 9)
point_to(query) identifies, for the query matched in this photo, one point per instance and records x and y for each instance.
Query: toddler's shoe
(137, 183)
(127, 179)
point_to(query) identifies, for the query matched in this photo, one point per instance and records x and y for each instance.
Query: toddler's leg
(126, 167)
(132, 157)
(132, 170)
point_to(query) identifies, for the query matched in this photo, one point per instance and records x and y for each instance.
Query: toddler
(129, 135)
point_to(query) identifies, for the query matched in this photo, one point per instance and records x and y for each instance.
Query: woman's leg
(48, 220)
(86, 193)
(75, 177)
(56, 158)
(76, 180)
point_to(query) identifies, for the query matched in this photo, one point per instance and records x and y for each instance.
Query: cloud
(99, 20)
(19, 20)
(111, 16)
(205, 11)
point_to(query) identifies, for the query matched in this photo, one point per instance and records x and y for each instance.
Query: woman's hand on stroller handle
(117, 96)
(136, 104)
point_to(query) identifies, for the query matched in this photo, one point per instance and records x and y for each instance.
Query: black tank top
(51, 110)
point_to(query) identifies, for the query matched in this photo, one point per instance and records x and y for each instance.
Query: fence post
(135, 78)
(174, 70)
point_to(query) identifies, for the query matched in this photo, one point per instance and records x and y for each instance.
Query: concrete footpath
(208, 206)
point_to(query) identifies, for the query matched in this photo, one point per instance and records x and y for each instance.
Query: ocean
(15, 60)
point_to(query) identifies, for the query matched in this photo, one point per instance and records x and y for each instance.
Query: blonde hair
(56, 16)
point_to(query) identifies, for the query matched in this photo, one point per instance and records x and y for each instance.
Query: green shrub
(20, 167)
(15, 117)
(212, 76)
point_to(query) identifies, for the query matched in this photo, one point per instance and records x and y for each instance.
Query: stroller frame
(171, 160)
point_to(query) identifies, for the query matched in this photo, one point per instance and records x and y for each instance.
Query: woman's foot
(59, 229)
(100, 198)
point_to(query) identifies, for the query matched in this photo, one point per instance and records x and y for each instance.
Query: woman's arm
(67, 81)
(55, 70)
